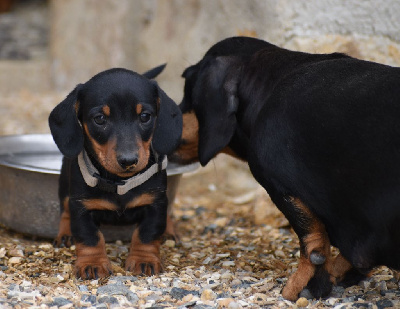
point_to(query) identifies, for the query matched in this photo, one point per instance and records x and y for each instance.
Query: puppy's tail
(154, 72)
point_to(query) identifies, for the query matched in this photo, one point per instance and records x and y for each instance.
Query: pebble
(16, 252)
(305, 293)
(365, 284)
(234, 305)
(226, 276)
(118, 289)
(228, 263)
(302, 302)
(170, 243)
(60, 301)
(208, 295)
(179, 293)
(83, 288)
(279, 254)
(15, 260)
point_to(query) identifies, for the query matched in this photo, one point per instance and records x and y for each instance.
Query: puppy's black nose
(127, 161)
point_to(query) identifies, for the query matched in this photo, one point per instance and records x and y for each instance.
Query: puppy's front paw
(92, 261)
(93, 269)
(143, 264)
(63, 241)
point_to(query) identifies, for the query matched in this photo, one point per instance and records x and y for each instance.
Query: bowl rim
(175, 169)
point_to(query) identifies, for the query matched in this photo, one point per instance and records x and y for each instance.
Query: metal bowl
(29, 171)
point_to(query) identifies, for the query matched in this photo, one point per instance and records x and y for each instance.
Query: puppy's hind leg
(315, 252)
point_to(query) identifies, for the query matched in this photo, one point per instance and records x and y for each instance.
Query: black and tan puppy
(115, 132)
(321, 134)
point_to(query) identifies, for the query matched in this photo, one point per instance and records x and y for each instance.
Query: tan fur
(64, 229)
(339, 267)
(106, 110)
(140, 253)
(99, 204)
(317, 240)
(188, 150)
(139, 108)
(144, 154)
(142, 200)
(298, 281)
(106, 154)
(91, 258)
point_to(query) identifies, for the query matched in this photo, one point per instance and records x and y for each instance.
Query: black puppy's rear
(321, 134)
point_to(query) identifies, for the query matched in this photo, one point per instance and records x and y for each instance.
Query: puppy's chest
(119, 204)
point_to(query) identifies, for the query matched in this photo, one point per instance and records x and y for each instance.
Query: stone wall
(92, 35)
(87, 36)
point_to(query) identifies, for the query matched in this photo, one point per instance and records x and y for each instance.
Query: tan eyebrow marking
(106, 110)
(139, 108)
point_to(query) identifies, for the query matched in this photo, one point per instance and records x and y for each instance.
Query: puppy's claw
(87, 272)
(317, 258)
(143, 268)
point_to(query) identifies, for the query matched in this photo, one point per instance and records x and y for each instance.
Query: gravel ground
(237, 250)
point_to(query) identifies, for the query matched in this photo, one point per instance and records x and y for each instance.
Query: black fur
(122, 112)
(323, 128)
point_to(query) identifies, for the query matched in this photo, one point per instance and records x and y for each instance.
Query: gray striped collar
(92, 176)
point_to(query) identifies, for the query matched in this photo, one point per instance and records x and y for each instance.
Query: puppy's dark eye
(100, 119)
(145, 117)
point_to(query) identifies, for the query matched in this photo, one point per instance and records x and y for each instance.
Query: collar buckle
(107, 184)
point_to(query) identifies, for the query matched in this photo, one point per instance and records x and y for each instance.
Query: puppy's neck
(114, 177)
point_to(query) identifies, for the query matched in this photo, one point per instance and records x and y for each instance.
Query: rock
(365, 284)
(113, 289)
(221, 222)
(260, 299)
(226, 276)
(208, 295)
(83, 288)
(89, 299)
(305, 293)
(179, 293)
(228, 263)
(118, 289)
(225, 302)
(122, 279)
(59, 302)
(384, 303)
(302, 302)
(16, 252)
(234, 305)
(15, 260)
(187, 298)
(337, 291)
(235, 282)
(170, 243)
(3, 252)
(279, 254)
(378, 278)
(108, 300)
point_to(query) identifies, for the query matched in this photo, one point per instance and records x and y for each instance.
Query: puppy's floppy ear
(168, 130)
(65, 127)
(216, 106)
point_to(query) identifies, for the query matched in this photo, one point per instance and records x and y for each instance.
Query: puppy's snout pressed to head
(128, 160)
